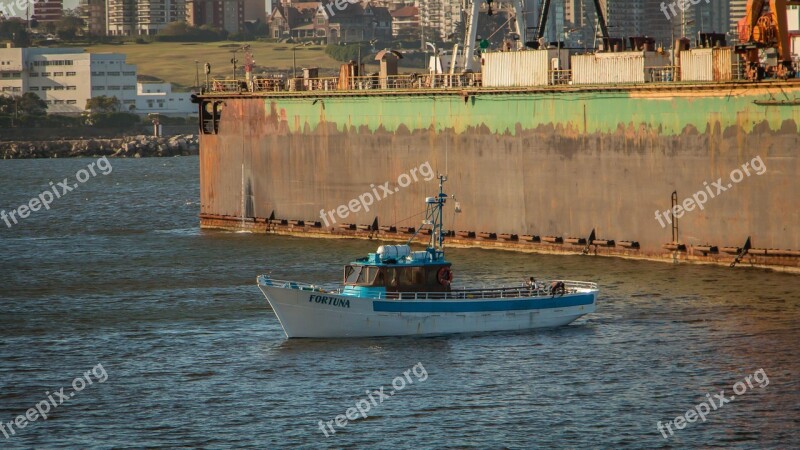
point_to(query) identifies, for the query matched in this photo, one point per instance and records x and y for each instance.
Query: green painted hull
(527, 162)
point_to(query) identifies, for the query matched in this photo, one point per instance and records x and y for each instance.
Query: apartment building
(93, 13)
(142, 17)
(228, 15)
(440, 17)
(65, 78)
(48, 11)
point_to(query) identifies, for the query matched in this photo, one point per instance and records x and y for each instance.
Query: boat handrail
(543, 290)
(328, 288)
(571, 287)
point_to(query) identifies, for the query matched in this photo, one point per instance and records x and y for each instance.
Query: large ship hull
(525, 164)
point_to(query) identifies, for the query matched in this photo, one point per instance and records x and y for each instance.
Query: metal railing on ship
(663, 74)
(362, 83)
(660, 74)
(571, 287)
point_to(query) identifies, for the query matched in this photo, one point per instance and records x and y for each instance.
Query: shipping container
(706, 64)
(619, 67)
(517, 69)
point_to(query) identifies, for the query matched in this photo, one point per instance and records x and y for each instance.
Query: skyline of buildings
(571, 21)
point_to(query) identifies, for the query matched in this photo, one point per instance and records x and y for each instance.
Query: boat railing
(328, 288)
(542, 290)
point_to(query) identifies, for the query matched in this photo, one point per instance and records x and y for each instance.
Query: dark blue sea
(158, 331)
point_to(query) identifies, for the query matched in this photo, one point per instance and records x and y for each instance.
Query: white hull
(309, 314)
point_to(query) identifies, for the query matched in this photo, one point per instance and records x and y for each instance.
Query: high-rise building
(93, 13)
(45, 11)
(228, 15)
(737, 11)
(120, 17)
(153, 15)
(440, 17)
(142, 17)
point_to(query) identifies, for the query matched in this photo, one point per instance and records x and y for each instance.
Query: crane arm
(543, 19)
(601, 19)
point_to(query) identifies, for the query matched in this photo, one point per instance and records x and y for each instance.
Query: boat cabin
(394, 268)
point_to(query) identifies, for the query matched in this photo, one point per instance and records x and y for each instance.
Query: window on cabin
(391, 276)
(419, 275)
(432, 275)
(408, 277)
(351, 274)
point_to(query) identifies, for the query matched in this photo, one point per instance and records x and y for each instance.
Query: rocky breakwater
(126, 147)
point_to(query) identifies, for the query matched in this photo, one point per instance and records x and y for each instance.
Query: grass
(174, 61)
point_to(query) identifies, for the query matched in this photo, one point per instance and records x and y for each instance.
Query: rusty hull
(545, 162)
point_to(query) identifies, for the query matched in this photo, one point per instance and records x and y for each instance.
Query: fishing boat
(397, 292)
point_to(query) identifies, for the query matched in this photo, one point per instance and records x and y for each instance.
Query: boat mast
(436, 213)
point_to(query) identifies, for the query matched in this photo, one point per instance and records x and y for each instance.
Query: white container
(707, 64)
(393, 251)
(619, 67)
(516, 69)
(420, 256)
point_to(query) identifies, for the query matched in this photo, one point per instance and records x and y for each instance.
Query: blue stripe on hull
(478, 306)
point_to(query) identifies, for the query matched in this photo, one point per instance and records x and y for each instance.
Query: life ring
(445, 276)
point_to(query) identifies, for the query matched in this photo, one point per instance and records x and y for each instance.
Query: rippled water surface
(118, 273)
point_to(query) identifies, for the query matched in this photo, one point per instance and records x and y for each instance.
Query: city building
(737, 10)
(440, 17)
(405, 21)
(48, 11)
(153, 15)
(228, 15)
(293, 21)
(142, 17)
(65, 78)
(355, 22)
(93, 13)
(157, 97)
(120, 17)
(255, 10)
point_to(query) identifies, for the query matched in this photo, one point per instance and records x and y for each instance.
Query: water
(117, 273)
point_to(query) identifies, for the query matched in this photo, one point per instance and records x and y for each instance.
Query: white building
(65, 78)
(158, 98)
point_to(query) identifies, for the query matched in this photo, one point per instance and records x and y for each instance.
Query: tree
(29, 104)
(182, 32)
(14, 29)
(103, 104)
(69, 27)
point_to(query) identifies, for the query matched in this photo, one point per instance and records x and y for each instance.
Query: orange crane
(763, 28)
